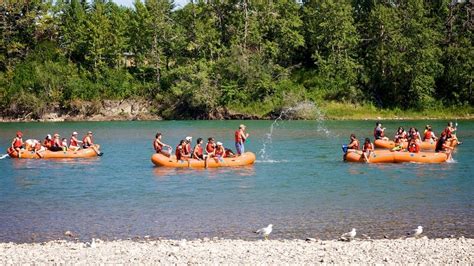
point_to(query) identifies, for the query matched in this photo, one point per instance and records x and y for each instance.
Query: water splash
(4, 156)
(306, 110)
(268, 140)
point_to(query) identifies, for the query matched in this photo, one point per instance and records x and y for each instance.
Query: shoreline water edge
(217, 251)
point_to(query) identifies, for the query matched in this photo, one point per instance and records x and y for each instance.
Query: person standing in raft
(451, 132)
(17, 143)
(379, 132)
(429, 134)
(56, 144)
(158, 145)
(441, 145)
(367, 149)
(180, 151)
(87, 141)
(240, 138)
(74, 142)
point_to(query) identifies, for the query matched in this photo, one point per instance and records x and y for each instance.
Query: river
(299, 183)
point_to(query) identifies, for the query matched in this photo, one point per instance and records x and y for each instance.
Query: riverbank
(133, 111)
(219, 251)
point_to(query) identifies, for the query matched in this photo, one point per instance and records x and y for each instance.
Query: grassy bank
(339, 111)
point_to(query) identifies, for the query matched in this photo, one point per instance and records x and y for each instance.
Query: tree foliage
(194, 60)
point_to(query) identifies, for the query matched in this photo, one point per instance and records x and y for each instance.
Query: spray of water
(304, 109)
(267, 141)
(4, 156)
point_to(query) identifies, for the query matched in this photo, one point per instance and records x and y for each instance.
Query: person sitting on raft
(74, 142)
(187, 146)
(180, 153)
(240, 138)
(442, 146)
(413, 145)
(17, 143)
(367, 149)
(64, 144)
(401, 135)
(158, 145)
(34, 145)
(219, 152)
(429, 134)
(56, 144)
(379, 132)
(47, 142)
(87, 141)
(198, 151)
(210, 147)
(354, 143)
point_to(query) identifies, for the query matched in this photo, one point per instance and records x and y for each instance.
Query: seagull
(349, 236)
(91, 244)
(265, 231)
(417, 232)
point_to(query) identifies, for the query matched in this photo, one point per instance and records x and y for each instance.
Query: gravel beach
(213, 251)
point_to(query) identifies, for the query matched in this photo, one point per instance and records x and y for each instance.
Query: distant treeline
(209, 55)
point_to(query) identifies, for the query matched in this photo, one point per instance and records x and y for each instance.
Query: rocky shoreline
(219, 251)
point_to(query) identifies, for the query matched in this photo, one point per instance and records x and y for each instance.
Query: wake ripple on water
(4, 156)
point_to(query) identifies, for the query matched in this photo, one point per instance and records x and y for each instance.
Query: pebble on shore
(410, 250)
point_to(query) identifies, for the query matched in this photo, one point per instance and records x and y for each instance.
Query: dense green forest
(251, 57)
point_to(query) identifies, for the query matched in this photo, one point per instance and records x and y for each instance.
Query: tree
(332, 39)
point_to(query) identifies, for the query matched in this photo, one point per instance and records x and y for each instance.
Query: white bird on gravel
(417, 232)
(350, 235)
(91, 244)
(265, 232)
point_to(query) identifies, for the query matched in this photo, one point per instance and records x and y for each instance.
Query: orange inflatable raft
(47, 154)
(424, 145)
(247, 158)
(387, 156)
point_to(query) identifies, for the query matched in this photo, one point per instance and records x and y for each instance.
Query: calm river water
(299, 184)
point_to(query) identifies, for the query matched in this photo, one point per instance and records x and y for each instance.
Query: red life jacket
(18, 143)
(157, 146)
(356, 147)
(238, 136)
(199, 150)
(55, 143)
(179, 152)
(47, 143)
(187, 148)
(448, 132)
(428, 135)
(414, 147)
(367, 147)
(210, 147)
(73, 142)
(220, 152)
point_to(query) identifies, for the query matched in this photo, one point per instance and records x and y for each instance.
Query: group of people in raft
(213, 149)
(412, 137)
(52, 143)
